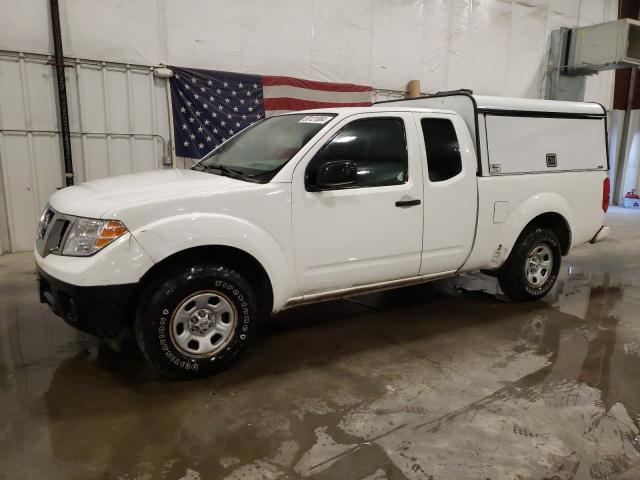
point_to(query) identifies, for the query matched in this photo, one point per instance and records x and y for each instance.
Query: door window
(443, 150)
(378, 147)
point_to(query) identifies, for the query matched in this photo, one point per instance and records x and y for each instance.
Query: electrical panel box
(605, 46)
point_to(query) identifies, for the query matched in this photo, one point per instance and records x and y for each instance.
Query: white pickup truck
(321, 204)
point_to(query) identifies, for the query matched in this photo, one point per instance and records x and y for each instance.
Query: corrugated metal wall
(119, 120)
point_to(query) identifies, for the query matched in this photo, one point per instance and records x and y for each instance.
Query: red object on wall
(632, 194)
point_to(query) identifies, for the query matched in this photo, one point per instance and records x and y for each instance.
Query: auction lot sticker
(316, 119)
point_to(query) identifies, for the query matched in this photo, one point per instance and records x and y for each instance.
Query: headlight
(87, 236)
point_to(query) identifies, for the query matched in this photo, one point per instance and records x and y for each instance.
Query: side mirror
(338, 173)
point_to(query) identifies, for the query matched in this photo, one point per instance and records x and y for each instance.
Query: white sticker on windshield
(316, 119)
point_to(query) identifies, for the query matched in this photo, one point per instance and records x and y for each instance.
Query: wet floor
(441, 381)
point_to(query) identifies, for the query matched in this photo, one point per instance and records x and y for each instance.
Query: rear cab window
(442, 148)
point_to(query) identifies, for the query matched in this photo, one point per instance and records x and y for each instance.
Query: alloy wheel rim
(539, 265)
(203, 324)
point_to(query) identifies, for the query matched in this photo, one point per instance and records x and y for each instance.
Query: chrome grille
(52, 229)
(45, 220)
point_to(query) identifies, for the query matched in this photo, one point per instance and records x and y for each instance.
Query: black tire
(157, 313)
(512, 277)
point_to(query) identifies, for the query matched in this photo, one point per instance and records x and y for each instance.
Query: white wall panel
(594, 11)
(120, 152)
(140, 102)
(599, 88)
(340, 52)
(435, 46)
(528, 45)
(90, 98)
(255, 36)
(12, 105)
(25, 105)
(480, 43)
(395, 42)
(116, 88)
(119, 122)
(492, 46)
(104, 29)
(25, 26)
(48, 161)
(22, 204)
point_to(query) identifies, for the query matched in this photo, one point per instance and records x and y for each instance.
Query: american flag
(209, 106)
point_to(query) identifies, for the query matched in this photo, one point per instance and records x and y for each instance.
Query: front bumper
(98, 310)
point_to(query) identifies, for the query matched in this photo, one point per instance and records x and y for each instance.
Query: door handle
(407, 203)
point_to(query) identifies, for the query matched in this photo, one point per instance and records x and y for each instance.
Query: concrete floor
(430, 382)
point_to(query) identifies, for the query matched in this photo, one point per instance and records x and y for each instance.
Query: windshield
(258, 152)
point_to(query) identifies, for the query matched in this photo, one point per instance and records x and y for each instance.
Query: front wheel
(195, 320)
(532, 268)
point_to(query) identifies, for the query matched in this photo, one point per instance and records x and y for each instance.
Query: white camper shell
(523, 136)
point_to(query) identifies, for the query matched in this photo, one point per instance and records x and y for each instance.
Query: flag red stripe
(313, 85)
(297, 104)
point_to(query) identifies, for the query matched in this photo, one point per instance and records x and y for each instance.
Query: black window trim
(350, 187)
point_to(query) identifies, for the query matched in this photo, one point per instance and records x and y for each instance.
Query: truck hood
(94, 199)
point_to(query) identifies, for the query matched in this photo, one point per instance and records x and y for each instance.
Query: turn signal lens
(109, 232)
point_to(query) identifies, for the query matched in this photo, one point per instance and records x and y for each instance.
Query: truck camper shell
(523, 136)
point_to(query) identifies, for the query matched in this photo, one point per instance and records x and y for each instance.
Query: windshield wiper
(222, 168)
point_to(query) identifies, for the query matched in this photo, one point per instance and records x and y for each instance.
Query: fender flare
(171, 235)
(529, 209)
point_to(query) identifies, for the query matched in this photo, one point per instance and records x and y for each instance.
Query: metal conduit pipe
(63, 109)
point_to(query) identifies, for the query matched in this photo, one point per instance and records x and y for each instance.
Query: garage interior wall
(119, 121)
(494, 47)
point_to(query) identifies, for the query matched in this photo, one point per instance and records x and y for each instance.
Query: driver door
(369, 230)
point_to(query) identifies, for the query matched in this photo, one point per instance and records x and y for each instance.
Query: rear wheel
(532, 268)
(195, 320)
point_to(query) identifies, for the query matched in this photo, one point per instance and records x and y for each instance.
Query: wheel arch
(245, 263)
(547, 210)
(495, 241)
(555, 222)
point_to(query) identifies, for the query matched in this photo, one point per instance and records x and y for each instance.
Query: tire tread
(511, 277)
(177, 278)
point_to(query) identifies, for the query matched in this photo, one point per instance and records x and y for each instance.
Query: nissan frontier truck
(321, 204)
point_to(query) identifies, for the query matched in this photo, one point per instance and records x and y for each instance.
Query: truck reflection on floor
(268, 415)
